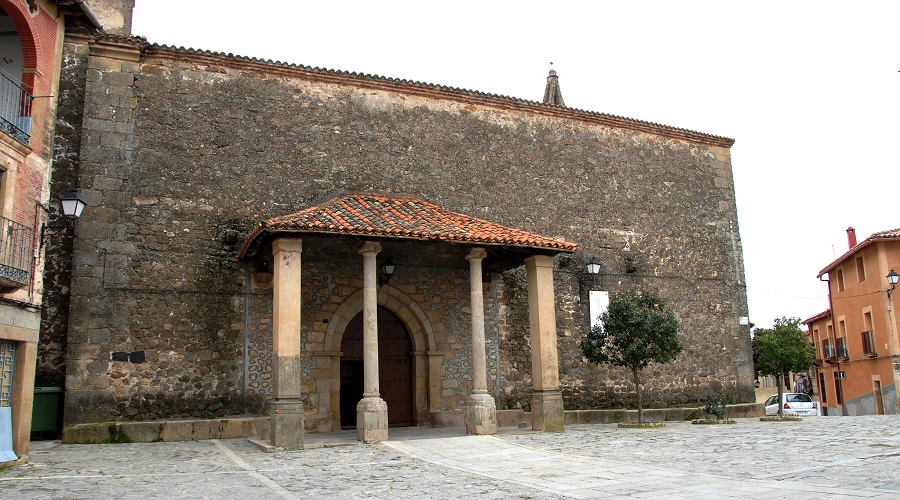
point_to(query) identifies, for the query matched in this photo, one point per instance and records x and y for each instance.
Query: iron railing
(15, 108)
(843, 351)
(16, 252)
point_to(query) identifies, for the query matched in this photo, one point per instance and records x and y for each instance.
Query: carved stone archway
(428, 362)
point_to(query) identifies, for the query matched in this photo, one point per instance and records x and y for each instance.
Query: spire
(552, 94)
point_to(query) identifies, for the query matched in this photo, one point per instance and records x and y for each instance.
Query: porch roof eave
(261, 234)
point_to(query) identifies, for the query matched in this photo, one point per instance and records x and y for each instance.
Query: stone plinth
(371, 420)
(547, 413)
(481, 414)
(287, 424)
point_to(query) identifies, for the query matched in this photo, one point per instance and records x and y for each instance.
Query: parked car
(794, 403)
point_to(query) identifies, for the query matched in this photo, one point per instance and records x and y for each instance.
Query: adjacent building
(856, 341)
(31, 48)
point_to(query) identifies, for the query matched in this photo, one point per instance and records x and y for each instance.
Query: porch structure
(344, 244)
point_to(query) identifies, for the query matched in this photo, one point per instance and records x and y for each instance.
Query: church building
(333, 250)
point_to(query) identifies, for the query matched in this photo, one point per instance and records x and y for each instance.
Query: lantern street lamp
(892, 278)
(387, 270)
(72, 205)
(593, 266)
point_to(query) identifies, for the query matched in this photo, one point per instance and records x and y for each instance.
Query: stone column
(287, 407)
(546, 401)
(371, 411)
(481, 412)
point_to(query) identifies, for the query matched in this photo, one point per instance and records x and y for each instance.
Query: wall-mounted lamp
(892, 278)
(387, 270)
(591, 269)
(593, 266)
(72, 205)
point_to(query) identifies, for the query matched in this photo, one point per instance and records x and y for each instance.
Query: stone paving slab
(860, 458)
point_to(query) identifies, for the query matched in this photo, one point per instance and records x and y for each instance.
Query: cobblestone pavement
(840, 456)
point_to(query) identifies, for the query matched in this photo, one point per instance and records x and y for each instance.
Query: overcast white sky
(808, 89)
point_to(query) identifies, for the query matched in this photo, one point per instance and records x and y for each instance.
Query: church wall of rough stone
(183, 153)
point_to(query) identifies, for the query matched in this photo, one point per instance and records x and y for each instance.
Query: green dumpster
(46, 412)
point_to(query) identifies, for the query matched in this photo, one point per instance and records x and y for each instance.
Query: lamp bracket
(54, 230)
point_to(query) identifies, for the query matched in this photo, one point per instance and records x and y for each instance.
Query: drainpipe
(833, 339)
(89, 13)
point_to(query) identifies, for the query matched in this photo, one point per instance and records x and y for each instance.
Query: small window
(860, 269)
(868, 341)
(798, 398)
(771, 400)
(840, 280)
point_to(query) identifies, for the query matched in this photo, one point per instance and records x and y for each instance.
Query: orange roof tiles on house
(891, 234)
(401, 217)
(824, 314)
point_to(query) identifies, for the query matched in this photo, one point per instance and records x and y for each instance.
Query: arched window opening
(15, 101)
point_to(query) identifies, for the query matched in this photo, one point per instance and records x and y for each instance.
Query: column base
(547, 412)
(371, 420)
(481, 414)
(287, 423)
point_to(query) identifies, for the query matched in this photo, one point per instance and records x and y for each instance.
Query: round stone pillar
(371, 411)
(481, 411)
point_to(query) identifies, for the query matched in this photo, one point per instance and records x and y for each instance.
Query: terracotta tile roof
(824, 314)
(890, 234)
(401, 217)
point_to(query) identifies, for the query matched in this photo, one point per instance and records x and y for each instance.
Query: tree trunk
(779, 379)
(637, 387)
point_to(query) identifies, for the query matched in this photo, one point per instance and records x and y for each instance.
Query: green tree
(636, 329)
(780, 350)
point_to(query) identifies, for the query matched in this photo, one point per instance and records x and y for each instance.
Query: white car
(794, 403)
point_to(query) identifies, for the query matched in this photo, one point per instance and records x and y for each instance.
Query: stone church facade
(174, 308)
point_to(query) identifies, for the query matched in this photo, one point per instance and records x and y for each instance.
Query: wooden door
(394, 369)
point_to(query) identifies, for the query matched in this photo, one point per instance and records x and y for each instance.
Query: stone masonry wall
(183, 153)
(51, 362)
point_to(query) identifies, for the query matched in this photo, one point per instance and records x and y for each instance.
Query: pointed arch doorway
(395, 369)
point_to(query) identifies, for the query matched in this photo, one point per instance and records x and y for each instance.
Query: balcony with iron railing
(828, 352)
(842, 350)
(16, 254)
(15, 108)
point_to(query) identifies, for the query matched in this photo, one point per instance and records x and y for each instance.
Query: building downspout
(89, 13)
(837, 357)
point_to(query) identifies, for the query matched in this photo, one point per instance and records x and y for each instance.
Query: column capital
(287, 245)
(476, 253)
(369, 247)
(540, 260)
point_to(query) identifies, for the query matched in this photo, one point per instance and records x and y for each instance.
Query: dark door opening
(394, 369)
